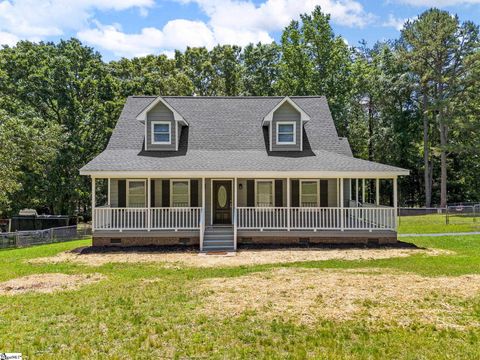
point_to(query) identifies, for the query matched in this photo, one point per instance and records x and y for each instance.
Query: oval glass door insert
(222, 196)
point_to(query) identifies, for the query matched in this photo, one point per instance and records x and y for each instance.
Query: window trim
(171, 190)
(294, 123)
(300, 193)
(272, 181)
(128, 191)
(156, 122)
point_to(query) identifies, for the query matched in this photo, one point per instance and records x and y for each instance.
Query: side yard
(421, 303)
(436, 223)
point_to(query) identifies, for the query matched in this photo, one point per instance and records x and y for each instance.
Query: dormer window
(161, 132)
(286, 133)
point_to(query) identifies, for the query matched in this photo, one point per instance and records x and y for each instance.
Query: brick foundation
(122, 240)
(143, 241)
(317, 240)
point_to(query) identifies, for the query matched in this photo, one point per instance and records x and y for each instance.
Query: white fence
(171, 218)
(316, 218)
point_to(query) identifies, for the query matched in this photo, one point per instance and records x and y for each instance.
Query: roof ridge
(227, 97)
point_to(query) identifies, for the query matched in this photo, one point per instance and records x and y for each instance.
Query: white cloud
(395, 22)
(8, 39)
(237, 22)
(176, 34)
(276, 14)
(438, 3)
(39, 19)
(229, 22)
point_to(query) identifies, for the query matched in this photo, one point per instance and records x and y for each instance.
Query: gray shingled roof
(226, 134)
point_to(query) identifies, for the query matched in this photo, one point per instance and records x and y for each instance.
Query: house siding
(114, 192)
(161, 113)
(286, 112)
(332, 193)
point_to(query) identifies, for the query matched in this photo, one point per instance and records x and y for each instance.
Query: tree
(68, 85)
(260, 69)
(316, 62)
(435, 46)
(27, 145)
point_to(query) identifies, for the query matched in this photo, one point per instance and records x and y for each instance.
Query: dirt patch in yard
(46, 283)
(308, 295)
(241, 258)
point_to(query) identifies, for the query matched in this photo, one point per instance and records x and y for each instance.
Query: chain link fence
(460, 214)
(455, 214)
(38, 237)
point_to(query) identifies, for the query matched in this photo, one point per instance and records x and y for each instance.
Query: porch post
(93, 202)
(288, 204)
(149, 197)
(363, 191)
(235, 216)
(202, 217)
(395, 203)
(377, 192)
(356, 192)
(108, 189)
(338, 193)
(341, 205)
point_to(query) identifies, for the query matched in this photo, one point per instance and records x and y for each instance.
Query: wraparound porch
(294, 207)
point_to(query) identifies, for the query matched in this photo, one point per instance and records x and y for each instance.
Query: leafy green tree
(66, 84)
(260, 69)
(435, 46)
(27, 146)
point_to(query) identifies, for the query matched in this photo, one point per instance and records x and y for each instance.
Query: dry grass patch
(380, 296)
(46, 283)
(242, 258)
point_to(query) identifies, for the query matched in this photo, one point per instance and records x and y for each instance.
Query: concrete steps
(218, 238)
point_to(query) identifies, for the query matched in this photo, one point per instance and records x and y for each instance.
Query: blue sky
(131, 28)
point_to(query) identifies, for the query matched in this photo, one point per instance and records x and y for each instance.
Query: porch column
(395, 203)
(338, 193)
(108, 189)
(288, 204)
(93, 202)
(202, 217)
(149, 200)
(235, 216)
(356, 191)
(377, 192)
(341, 205)
(363, 191)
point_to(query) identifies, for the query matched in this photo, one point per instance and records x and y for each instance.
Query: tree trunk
(370, 147)
(443, 165)
(426, 155)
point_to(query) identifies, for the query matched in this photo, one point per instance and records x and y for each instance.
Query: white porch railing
(171, 218)
(262, 217)
(316, 218)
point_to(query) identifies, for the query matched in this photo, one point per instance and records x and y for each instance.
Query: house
(221, 171)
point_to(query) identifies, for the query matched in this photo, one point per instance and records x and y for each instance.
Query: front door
(222, 202)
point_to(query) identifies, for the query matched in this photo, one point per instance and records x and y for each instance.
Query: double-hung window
(136, 195)
(309, 193)
(286, 132)
(161, 132)
(180, 193)
(264, 193)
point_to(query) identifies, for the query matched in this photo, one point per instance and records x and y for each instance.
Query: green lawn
(436, 223)
(124, 317)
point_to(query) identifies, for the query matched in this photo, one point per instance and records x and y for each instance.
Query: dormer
(285, 126)
(163, 125)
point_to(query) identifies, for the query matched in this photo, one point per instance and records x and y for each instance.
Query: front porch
(189, 210)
